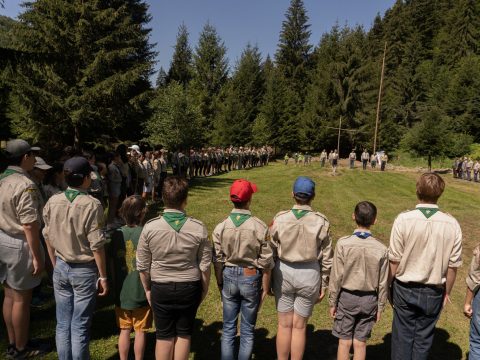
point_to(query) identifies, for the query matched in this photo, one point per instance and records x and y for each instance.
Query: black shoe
(33, 349)
(11, 351)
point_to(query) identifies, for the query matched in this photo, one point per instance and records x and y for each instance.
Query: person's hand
(263, 296)
(321, 295)
(102, 287)
(467, 310)
(446, 299)
(38, 266)
(379, 315)
(204, 295)
(270, 292)
(333, 312)
(148, 294)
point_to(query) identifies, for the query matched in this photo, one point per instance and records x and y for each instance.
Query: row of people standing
(464, 168)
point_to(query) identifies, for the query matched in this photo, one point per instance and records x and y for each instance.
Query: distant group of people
(466, 169)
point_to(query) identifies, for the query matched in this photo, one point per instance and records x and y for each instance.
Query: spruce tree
(99, 78)
(161, 81)
(181, 66)
(210, 74)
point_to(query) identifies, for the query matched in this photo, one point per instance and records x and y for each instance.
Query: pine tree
(210, 74)
(181, 66)
(99, 78)
(161, 81)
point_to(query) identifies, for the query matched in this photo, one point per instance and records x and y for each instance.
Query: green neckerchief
(175, 219)
(71, 194)
(428, 212)
(299, 213)
(8, 172)
(238, 218)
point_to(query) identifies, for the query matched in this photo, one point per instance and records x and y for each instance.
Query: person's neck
(363, 229)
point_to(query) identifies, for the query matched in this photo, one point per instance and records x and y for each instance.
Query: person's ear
(353, 216)
(374, 221)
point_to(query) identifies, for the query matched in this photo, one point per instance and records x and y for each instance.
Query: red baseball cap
(242, 190)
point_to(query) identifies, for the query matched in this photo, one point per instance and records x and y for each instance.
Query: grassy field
(336, 197)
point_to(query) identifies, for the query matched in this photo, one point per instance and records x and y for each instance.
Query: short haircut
(240, 205)
(430, 187)
(132, 210)
(17, 160)
(365, 214)
(74, 180)
(174, 192)
(301, 200)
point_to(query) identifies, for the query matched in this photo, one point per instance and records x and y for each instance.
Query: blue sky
(241, 21)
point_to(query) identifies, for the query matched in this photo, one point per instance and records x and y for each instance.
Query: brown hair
(430, 187)
(365, 214)
(174, 192)
(133, 210)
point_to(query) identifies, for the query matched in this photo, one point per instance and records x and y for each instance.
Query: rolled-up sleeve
(46, 220)
(455, 259)
(95, 234)
(473, 277)
(204, 256)
(265, 256)
(326, 258)
(395, 251)
(28, 205)
(335, 277)
(218, 254)
(144, 255)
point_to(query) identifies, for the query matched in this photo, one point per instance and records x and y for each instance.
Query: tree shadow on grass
(441, 348)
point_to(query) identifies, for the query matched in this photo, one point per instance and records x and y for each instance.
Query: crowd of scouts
(162, 268)
(466, 169)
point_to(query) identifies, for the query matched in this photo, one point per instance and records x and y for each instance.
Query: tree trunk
(76, 140)
(429, 162)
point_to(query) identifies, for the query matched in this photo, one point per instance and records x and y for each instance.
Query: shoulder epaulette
(321, 215)
(195, 220)
(282, 213)
(153, 219)
(258, 221)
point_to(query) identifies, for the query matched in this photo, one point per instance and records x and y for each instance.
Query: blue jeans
(416, 309)
(240, 294)
(75, 295)
(475, 329)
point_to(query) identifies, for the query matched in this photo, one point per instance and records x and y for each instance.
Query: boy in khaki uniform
(471, 308)
(301, 239)
(243, 260)
(75, 242)
(21, 254)
(358, 284)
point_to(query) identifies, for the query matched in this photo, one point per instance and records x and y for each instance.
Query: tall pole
(379, 100)
(339, 130)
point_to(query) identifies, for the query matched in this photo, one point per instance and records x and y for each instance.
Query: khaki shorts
(356, 315)
(16, 263)
(139, 319)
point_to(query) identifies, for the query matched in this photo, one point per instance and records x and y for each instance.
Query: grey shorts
(16, 263)
(356, 315)
(296, 287)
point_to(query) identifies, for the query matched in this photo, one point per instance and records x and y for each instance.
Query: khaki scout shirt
(169, 255)
(359, 265)
(473, 277)
(303, 240)
(425, 247)
(73, 229)
(247, 245)
(19, 202)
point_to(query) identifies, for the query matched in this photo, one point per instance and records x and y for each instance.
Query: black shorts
(174, 307)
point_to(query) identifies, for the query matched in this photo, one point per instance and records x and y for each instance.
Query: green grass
(336, 198)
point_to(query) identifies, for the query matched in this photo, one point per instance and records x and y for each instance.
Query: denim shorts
(16, 263)
(174, 307)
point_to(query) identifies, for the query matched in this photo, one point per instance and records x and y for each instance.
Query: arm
(335, 280)
(99, 256)
(147, 283)
(266, 277)
(218, 257)
(326, 262)
(204, 260)
(383, 285)
(205, 283)
(32, 233)
(451, 276)
(467, 308)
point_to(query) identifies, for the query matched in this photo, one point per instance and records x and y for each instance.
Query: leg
(140, 344)
(164, 349)
(64, 299)
(7, 312)
(231, 307)
(475, 329)
(298, 336)
(284, 335)
(83, 282)
(249, 308)
(359, 349)
(20, 316)
(124, 343)
(344, 349)
(182, 348)
(403, 327)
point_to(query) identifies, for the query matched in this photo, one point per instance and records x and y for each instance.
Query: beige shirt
(359, 265)
(169, 255)
(425, 248)
(473, 277)
(19, 202)
(247, 245)
(303, 240)
(74, 229)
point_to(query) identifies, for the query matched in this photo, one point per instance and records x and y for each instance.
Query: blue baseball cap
(78, 166)
(304, 187)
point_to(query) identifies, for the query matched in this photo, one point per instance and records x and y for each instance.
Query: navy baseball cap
(19, 147)
(78, 166)
(304, 187)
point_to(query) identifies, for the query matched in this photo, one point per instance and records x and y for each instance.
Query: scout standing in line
(323, 157)
(301, 238)
(476, 169)
(75, 242)
(352, 157)
(243, 262)
(425, 252)
(131, 306)
(286, 159)
(334, 162)
(365, 157)
(21, 254)
(358, 284)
